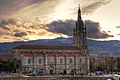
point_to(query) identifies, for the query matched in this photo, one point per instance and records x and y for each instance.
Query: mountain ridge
(95, 47)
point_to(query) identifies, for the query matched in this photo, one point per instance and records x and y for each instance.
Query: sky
(48, 19)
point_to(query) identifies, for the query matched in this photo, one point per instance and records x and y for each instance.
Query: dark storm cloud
(94, 30)
(9, 7)
(66, 27)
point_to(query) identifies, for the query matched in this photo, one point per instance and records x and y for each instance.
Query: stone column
(75, 63)
(33, 60)
(87, 65)
(55, 64)
(65, 63)
(45, 62)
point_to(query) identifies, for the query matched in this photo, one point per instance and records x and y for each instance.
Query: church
(52, 60)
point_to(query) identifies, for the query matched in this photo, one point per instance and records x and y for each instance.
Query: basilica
(52, 60)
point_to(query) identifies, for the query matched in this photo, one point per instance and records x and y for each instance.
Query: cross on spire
(78, 6)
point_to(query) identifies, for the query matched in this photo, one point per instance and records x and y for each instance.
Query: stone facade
(52, 61)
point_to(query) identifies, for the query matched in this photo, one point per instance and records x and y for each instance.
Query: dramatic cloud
(66, 27)
(10, 7)
(47, 10)
(13, 30)
(94, 30)
(89, 7)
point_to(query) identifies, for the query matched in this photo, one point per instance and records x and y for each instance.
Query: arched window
(71, 60)
(61, 60)
(39, 60)
(29, 61)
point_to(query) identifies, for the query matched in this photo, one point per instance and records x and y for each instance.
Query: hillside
(95, 47)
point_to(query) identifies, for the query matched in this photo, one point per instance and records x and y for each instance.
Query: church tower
(79, 33)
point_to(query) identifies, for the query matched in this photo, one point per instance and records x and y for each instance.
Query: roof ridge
(45, 47)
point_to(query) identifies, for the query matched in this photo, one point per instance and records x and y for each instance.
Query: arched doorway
(73, 72)
(65, 72)
(41, 72)
(51, 70)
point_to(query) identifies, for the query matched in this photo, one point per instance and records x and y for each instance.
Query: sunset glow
(34, 13)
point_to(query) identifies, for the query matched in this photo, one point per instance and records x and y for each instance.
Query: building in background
(57, 59)
(105, 63)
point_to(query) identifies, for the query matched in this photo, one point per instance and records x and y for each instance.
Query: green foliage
(8, 65)
(112, 65)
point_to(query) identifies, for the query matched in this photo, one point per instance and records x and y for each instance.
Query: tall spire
(79, 12)
(79, 34)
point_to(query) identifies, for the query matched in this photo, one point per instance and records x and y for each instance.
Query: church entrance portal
(51, 70)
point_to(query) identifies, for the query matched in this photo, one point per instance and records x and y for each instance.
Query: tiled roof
(46, 47)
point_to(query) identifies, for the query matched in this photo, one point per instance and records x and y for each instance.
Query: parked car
(116, 77)
(32, 73)
(98, 73)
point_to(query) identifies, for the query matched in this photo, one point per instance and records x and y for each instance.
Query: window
(61, 60)
(70, 60)
(80, 60)
(29, 61)
(39, 60)
(80, 69)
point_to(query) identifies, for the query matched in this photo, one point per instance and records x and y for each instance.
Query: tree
(93, 65)
(8, 65)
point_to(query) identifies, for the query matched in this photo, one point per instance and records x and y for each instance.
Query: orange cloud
(14, 30)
